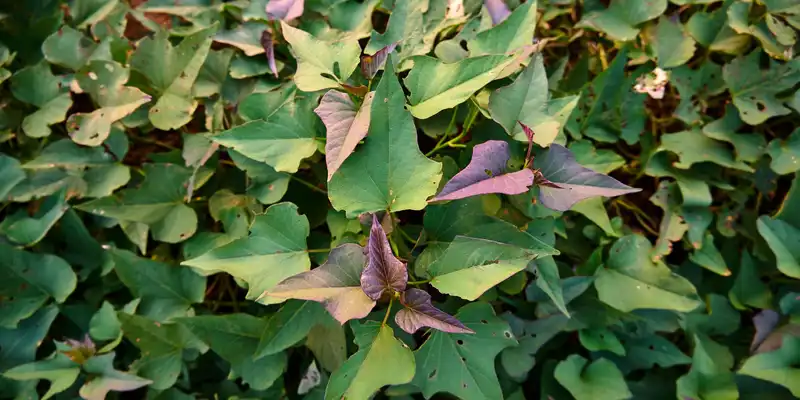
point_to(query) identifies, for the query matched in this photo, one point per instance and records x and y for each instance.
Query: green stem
(388, 310)
(450, 126)
(422, 282)
(309, 185)
(318, 250)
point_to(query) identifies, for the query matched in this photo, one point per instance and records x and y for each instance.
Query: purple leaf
(336, 284)
(419, 313)
(269, 50)
(484, 174)
(569, 182)
(371, 64)
(764, 322)
(498, 10)
(285, 10)
(345, 124)
(384, 272)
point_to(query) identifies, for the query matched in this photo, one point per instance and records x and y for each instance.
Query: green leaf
(515, 32)
(321, 64)
(157, 203)
(527, 100)
(695, 147)
(754, 90)
(281, 137)
(266, 185)
(162, 347)
(59, 370)
(785, 153)
(710, 377)
(748, 146)
(20, 228)
(288, 326)
(11, 174)
(601, 339)
(778, 366)
(388, 172)
(548, 280)
(709, 257)
(784, 241)
(632, 280)
(619, 21)
(673, 225)
(672, 44)
(327, 342)
(598, 160)
(104, 80)
(748, 289)
(18, 346)
(404, 26)
(711, 30)
(28, 280)
(381, 360)
(470, 266)
(463, 364)
(595, 211)
(235, 338)
(437, 86)
(646, 351)
(171, 72)
(166, 291)
(104, 378)
(696, 86)
(246, 37)
(600, 379)
(70, 48)
(274, 251)
(36, 85)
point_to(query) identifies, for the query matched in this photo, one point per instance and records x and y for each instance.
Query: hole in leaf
(432, 374)
(463, 44)
(460, 342)
(761, 106)
(507, 334)
(483, 321)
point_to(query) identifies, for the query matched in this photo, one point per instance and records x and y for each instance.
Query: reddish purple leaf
(484, 174)
(345, 126)
(371, 64)
(569, 182)
(269, 49)
(384, 272)
(498, 10)
(336, 284)
(285, 10)
(420, 313)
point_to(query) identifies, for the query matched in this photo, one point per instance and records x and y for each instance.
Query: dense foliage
(329, 199)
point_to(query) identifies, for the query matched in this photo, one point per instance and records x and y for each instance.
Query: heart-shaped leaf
(485, 174)
(285, 10)
(420, 313)
(573, 182)
(336, 284)
(384, 272)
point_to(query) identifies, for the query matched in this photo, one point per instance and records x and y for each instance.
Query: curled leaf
(498, 10)
(285, 10)
(336, 284)
(345, 125)
(371, 64)
(572, 182)
(384, 271)
(419, 313)
(269, 50)
(485, 174)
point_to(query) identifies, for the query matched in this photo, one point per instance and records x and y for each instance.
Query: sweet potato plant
(355, 199)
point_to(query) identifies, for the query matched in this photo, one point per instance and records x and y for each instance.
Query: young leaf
(573, 182)
(371, 64)
(336, 284)
(389, 172)
(469, 267)
(485, 174)
(463, 364)
(269, 50)
(419, 313)
(345, 124)
(321, 65)
(381, 360)
(384, 272)
(274, 251)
